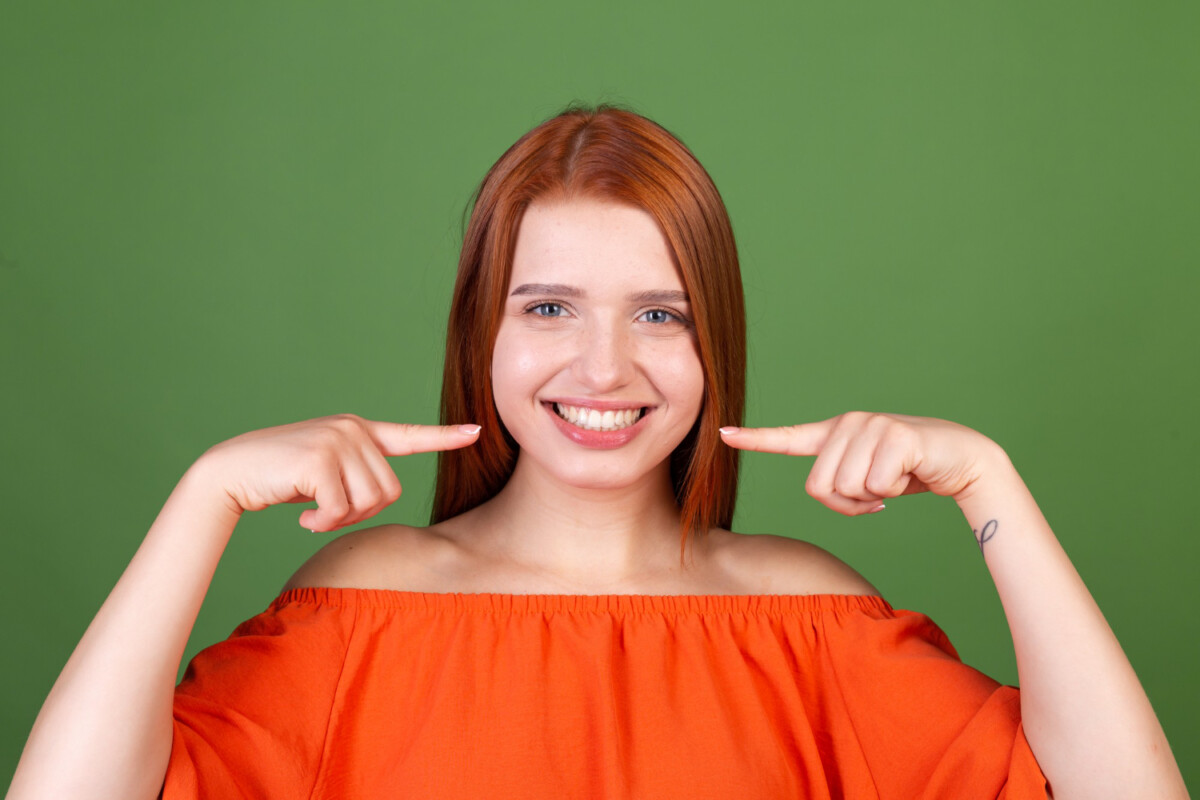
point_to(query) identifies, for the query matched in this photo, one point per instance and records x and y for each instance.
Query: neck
(583, 536)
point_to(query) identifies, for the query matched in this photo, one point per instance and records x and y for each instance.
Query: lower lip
(597, 440)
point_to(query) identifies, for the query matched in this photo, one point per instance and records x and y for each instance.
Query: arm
(1085, 714)
(105, 729)
(1086, 717)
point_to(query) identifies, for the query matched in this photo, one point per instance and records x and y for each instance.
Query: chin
(596, 478)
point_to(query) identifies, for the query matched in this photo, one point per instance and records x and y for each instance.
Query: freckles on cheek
(513, 368)
(681, 365)
(525, 364)
(683, 375)
(516, 368)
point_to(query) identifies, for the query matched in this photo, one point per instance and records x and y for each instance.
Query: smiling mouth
(590, 419)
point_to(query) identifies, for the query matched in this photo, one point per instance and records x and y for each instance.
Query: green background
(220, 218)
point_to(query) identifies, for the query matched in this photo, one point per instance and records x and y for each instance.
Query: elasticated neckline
(490, 602)
(353, 692)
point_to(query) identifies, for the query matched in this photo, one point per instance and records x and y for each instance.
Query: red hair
(611, 154)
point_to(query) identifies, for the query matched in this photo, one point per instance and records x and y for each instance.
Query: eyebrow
(563, 290)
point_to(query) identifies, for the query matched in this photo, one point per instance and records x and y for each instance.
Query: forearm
(1085, 714)
(105, 728)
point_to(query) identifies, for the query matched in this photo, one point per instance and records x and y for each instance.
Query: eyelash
(675, 316)
(532, 309)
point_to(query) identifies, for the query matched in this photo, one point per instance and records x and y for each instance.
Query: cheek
(515, 371)
(687, 375)
(679, 376)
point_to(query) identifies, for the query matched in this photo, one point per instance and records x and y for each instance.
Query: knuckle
(877, 420)
(876, 486)
(327, 437)
(347, 424)
(900, 434)
(850, 421)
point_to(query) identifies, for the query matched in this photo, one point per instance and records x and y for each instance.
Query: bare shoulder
(769, 564)
(380, 557)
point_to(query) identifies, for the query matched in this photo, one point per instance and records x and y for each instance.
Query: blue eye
(547, 309)
(660, 315)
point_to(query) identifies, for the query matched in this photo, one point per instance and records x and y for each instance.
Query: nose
(604, 361)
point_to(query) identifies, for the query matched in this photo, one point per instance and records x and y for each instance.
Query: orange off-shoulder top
(364, 693)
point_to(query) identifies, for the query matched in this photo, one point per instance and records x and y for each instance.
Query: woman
(579, 620)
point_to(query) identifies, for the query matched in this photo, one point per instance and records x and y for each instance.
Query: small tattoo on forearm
(984, 536)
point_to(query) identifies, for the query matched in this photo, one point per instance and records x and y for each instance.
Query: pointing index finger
(402, 439)
(791, 440)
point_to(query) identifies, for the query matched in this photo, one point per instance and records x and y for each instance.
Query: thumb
(401, 439)
(791, 440)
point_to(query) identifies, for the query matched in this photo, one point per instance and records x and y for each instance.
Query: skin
(578, 520)
(1087, 719)
(105, 728)
(590, 515)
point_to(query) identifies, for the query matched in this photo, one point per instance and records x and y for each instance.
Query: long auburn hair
(612, 154)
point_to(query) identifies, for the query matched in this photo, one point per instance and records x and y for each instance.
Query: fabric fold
(374, 693)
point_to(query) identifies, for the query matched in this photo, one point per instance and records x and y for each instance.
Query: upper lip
(599, 405)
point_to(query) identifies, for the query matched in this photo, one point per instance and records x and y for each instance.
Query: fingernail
(469, 430)
(729, 429)
(877, 508)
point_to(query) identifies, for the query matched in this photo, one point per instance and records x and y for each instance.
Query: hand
(337, 461)
(863, 458)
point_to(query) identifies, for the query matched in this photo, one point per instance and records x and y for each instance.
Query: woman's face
(595, 372)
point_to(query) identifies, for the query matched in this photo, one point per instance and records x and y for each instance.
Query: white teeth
(593, 419)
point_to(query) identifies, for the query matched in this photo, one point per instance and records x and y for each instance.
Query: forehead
(590, 242)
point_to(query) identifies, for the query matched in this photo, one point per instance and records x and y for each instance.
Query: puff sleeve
(252, 712)
(924, 724)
